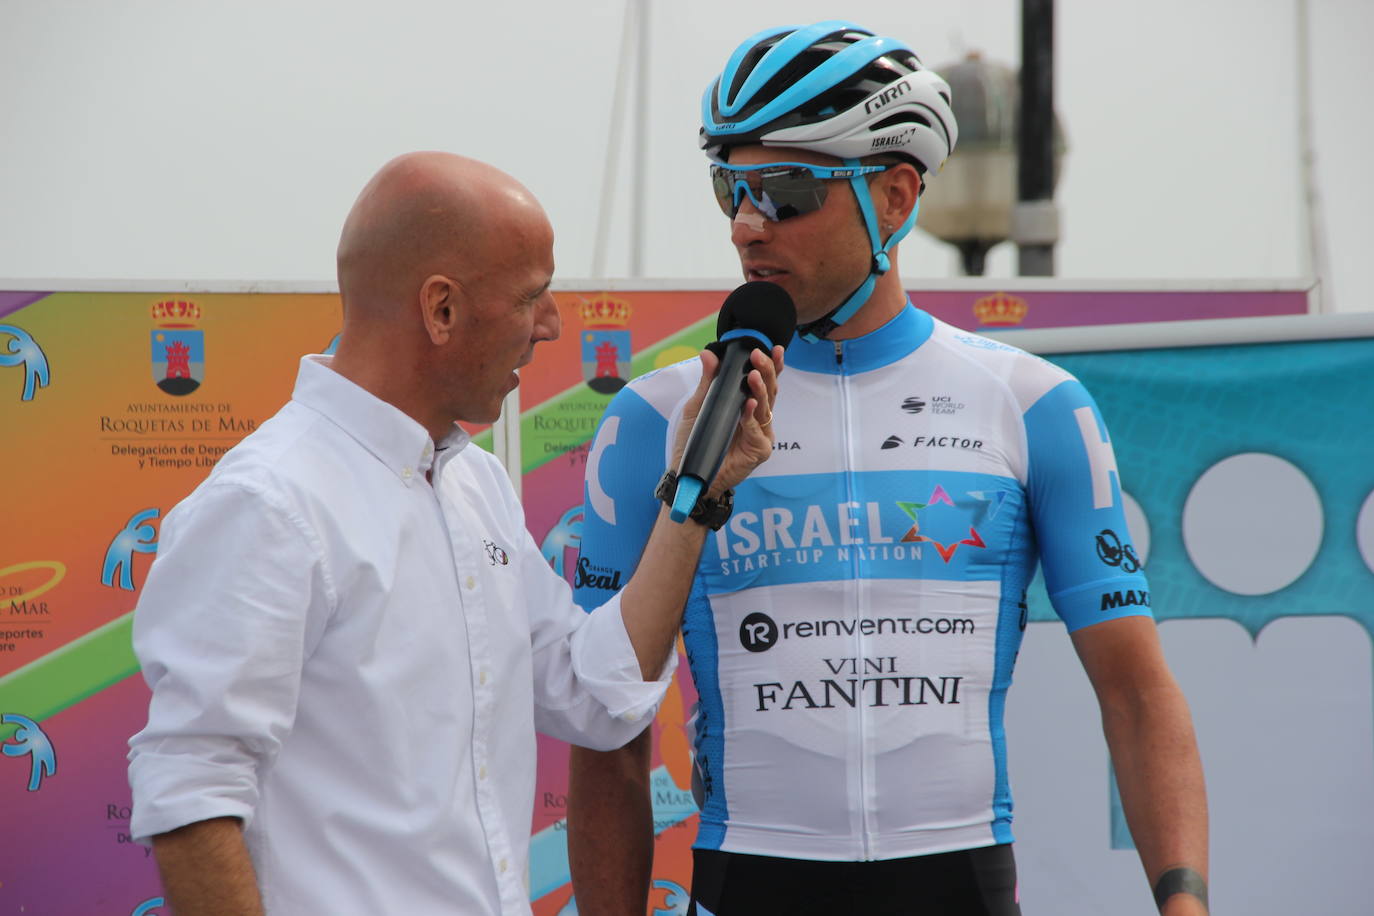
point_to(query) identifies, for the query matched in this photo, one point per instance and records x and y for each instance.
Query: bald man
(349, 635)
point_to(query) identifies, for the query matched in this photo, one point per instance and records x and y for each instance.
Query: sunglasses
(778, 190)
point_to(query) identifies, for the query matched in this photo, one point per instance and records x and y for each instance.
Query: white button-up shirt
(354, 662)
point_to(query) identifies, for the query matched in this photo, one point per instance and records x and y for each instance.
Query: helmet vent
(903, 117)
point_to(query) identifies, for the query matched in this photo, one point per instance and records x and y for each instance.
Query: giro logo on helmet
(894, 91)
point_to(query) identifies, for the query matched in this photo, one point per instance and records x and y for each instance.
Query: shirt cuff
(176, 783)
(605, 663)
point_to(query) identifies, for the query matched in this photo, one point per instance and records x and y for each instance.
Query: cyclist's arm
(1093, 575)
(611, 828)
(610, 812)
(1150, 735)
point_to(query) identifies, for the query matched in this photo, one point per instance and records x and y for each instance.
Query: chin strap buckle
(817, 330)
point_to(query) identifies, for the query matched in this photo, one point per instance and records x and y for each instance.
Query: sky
(195, 141)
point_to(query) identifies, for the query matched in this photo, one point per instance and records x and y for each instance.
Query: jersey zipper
(854, 588)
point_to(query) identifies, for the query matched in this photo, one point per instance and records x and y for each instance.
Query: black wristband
(1180, 880)
(709, 512)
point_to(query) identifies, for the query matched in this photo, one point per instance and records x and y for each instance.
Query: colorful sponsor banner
(1041, 308)
(115, 405)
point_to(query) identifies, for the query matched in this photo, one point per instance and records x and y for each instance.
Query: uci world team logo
(606, 344)
(29, 740)
(18, 348)
(178, 347)
(137, 536)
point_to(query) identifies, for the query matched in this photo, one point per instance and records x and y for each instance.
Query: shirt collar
(394, 438)
(907, 330)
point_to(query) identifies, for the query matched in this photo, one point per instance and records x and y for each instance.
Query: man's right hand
(753, 441)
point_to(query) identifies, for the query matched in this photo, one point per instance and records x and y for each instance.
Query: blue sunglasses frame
(785, 189)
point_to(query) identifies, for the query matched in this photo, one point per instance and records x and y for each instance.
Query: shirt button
(482, 677)
(470, 582)
(482, 773)
(407, 473)
(503, 866)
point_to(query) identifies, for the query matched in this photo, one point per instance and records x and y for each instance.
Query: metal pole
(641, 141)
(1313, 257)
(974, 256)
(613, 142)
(1035, 221)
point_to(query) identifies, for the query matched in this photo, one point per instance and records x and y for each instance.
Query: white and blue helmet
(833, 88)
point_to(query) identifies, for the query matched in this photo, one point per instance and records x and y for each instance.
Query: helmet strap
(822, 327)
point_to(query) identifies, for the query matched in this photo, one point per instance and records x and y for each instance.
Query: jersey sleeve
(627, 458)
(1092, 571)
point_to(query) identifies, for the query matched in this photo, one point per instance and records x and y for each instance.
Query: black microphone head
(759, 306)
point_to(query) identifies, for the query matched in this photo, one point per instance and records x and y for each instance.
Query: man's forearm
(611, 829)
(652, 601)
(206, 870)
(1159, 774)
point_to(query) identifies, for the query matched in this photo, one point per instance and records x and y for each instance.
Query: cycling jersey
(852, 629)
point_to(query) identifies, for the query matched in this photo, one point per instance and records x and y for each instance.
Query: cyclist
(853, 625)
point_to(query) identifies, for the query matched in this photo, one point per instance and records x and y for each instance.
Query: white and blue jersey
(852, 629)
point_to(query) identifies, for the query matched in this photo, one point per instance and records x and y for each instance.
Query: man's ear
(440, 300)
(901, 188)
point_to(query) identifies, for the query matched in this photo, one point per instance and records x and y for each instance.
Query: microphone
(755, 316)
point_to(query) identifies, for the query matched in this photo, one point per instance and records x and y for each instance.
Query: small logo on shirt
(1127, 598)
(1112, 552)
(592, 576)
(945, 404)
(983, 343)
(758, 632)
(495, 554)
(966, 443)
(913, 405)
(938, 496)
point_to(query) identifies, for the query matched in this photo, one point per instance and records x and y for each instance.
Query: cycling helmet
(838, 89)
(833, 88)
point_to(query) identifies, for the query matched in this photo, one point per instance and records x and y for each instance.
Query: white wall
(191, 140)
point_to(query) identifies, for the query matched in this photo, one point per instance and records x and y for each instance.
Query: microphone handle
(715, 425)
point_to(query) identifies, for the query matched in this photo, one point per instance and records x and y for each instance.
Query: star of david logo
(913, 535)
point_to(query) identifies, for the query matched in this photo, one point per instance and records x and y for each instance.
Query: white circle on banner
(1364, 531)
(1252, 524)
(1138, 525)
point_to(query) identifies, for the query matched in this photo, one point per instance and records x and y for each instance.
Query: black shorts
(971, 882)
